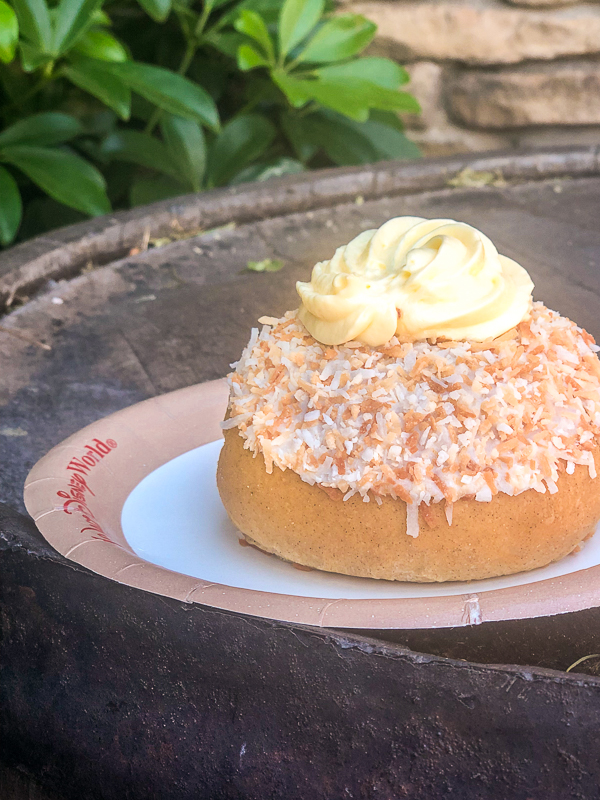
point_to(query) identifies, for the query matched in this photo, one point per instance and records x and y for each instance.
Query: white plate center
(174, 518)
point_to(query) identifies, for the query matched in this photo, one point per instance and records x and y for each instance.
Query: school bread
(461, 454)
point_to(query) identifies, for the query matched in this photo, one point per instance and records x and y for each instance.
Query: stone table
(109, 692)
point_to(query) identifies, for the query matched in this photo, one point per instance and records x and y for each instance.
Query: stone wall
(495, 73)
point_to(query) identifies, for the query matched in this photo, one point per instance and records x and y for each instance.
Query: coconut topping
(425, 422)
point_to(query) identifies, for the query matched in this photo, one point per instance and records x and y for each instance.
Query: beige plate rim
(76, 493)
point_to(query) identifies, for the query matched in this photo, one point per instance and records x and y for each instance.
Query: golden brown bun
(282, 514)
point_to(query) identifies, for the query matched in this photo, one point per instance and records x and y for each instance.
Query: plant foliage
(105, 105)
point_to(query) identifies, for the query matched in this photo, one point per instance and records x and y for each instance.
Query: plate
(133, 497)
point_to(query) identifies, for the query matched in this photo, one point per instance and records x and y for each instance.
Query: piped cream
(415, 279)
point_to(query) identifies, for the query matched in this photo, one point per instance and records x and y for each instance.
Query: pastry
(418, 418)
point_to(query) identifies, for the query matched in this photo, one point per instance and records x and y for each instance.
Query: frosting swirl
(417, 279)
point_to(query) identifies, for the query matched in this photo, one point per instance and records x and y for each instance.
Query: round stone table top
(136, 696)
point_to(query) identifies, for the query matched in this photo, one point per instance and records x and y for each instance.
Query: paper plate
(133, 497)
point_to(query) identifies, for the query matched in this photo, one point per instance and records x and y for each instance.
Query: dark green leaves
(296, 21)
(181, 155)
(340, 38)
(348, 142)
(285, 73)
(265, 170)
(241, 141)
(140, 148)
(185, 143)
(62, 175)
(150, 190)
(47, 128)
(297, 131)
(32, 57)
(9, 33)
(157, 9)
(11, 208)
(227, 42)
(92, 76)
(169, 91)
(26, 145)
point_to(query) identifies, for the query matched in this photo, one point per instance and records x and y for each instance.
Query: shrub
(111, 104)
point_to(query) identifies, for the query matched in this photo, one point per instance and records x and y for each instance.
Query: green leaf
(157, 9)
(140, 148)
(268, 10)
(340, 38)
(34, 22)
(253, 25)
(11, 207)
(46, 128)
(101, 45)
(342, 143)
(294, 128)
(240, 142)
(389, 118)
(295, 89)
(249, 58)
(32, 57)
(227, 43)
(380, 71)
(391, 143)
(350, 96)
(9, 33)
(14, 83)
(347, 142)
(264, 171)
(42, 214)
(169, 91)
(92, 76)
(338, 96)
(72, 18)
(372, 95)
(150, 190)
(296, 21)
(62, 175)
(266, 265)
(185, 142)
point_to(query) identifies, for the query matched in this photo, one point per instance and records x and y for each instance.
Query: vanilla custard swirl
(417, 279)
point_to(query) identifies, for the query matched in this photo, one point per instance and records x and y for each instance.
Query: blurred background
(495, 73)
(107, 105)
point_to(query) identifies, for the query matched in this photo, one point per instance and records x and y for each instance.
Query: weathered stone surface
(541, 3)
(432, 130)
(587, 135)
(481, 31)
(556, 94)
(111, 693)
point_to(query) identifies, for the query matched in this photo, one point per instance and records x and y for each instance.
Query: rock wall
(495, 73)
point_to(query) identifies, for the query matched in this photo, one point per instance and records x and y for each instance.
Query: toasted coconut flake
(412, 421)
(412, 520)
